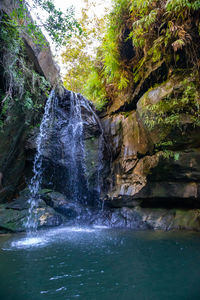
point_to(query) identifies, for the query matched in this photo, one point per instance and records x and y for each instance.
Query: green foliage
(58, 24)
(179, 6)
(79, 57)
(167, 154)
(113, 70)
(95, 90)
(168, 112)
(22, 85)
(79, 54)
(159, 30)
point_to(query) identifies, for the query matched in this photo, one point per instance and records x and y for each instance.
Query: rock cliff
(156, 153)
(27, 72)
(152, 120)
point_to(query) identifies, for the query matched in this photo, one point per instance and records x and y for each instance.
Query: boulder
(180, 131)
(61, 204)
(13, 215)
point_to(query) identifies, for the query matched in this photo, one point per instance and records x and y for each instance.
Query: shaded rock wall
(19, 118)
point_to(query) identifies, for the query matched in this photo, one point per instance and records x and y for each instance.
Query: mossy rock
(187, 219)
(12, 220)
(169, 113)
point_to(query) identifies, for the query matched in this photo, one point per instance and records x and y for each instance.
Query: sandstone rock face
(155, 165)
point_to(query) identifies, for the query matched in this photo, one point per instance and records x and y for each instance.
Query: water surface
(100, 264)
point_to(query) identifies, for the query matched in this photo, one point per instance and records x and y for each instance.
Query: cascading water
(61, 160)
(36, 180)
(73, 148)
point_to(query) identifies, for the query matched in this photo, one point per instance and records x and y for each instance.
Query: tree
(59, 25)
(80, 54)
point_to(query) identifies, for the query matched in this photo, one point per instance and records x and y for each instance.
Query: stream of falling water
(73, 146)
(63, 125)
(34, 187)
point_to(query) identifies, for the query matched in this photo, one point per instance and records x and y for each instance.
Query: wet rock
(170, 219)
(12, 220)
(13, 215)
(127, 218)
(151, 219)
(187, 220)
(48, 218)
(119, 218)
(58, 155)
(61, 204)
(157, 219)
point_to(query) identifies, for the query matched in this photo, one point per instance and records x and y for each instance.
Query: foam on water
(29, 242)
(44, 237)
(70, 229)
(101, 227)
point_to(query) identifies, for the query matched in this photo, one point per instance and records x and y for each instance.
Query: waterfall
(60, 161)
(73, 148)
(34, 187)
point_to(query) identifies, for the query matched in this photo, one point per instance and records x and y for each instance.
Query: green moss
(189, 220)
(126, 114)
(167, 112)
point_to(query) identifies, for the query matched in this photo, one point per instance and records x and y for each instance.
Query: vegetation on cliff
(21, 85)
(145, 42)
(25, 81)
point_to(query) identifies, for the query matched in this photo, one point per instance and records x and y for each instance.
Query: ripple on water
(60, 277)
